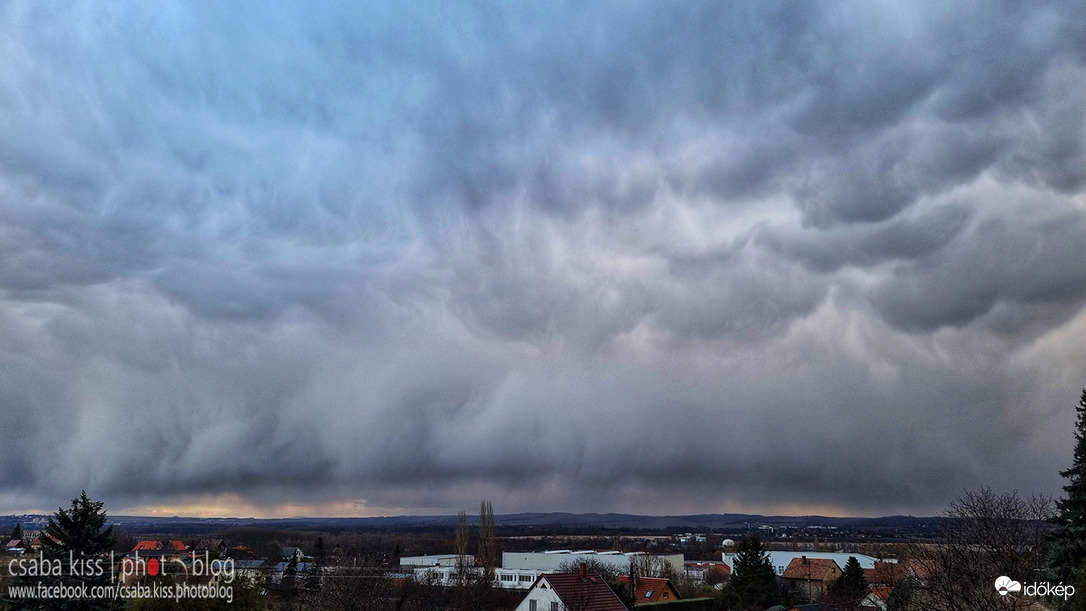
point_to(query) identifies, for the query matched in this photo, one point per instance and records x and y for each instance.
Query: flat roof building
(435, 560)
(553, 561)
(781, 559)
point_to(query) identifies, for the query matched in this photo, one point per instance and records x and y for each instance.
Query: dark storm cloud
(906, 238)
(1036, 255)
(553, 255)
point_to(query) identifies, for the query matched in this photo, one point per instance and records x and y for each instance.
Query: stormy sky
(649, 257)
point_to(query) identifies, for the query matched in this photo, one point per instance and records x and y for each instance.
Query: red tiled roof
(721, 571)
(919, 570)
(651, 589)
(883, 593)
(149, 546)
(591, 592)
(814, 569)
(209, 544)
(178, 546)
(14, 543)
(884, 573)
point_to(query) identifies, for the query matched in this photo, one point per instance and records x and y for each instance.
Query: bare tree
(461, 547)
(652, 566)
(984, 535)
(355, 589)
(488, 545)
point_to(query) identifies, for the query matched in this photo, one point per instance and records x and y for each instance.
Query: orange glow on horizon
(229, 505)
(790, 509)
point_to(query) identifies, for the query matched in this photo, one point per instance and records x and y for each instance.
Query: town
(536, 563)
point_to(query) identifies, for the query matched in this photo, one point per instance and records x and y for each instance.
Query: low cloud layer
(642, 257)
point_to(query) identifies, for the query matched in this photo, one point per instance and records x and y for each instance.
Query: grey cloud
(1032, 255)
(917, 235)
(877, 180)
(408, 253)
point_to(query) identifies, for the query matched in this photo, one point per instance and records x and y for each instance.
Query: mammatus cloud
(759, 257)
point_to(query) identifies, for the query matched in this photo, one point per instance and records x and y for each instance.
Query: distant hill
(517, 523)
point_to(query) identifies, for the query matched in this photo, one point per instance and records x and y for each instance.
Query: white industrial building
(435, 560)
(519, 570)
(553, 561)
(509, 579)
(780, 559)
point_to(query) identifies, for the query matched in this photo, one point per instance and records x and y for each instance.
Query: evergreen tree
(904, 596)
(725, 598)
(753, 577)
(17, 532)
(851, 585)
(288, 584)
(318, 550)
(74, 536)
(77, 530)
(1069, 540)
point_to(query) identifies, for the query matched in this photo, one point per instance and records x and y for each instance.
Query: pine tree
(77, 530)
(1069, 540)
(752, 575)
(75, 535)
(17, 533)
(905, 595)
(288, 585)
(851, 585)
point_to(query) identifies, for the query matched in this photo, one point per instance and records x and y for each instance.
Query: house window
(665, 595)
(554, 606)
(533, 606)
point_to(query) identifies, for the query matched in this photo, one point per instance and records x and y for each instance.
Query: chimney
(584, 571)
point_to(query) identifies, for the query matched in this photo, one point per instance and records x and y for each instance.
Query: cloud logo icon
(1005, 585)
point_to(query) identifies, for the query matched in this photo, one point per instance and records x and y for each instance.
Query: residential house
(812, 576)
(651, 589)
(240, 551)
(876, 599)
(14, 547)
(281, 570)
(212, 546)
(256, 570)
(151, 548)
(147, 549)
(711, 570)
(581, 591)
(885, 573)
